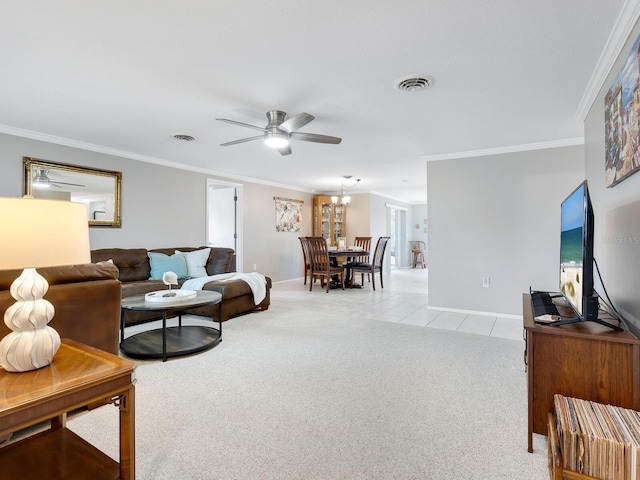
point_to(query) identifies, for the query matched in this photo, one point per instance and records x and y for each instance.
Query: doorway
(396, 229)
(224, 214)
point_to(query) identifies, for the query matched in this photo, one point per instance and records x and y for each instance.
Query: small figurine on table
(170, 278)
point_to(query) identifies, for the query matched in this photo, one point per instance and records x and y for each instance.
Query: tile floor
(403, 300)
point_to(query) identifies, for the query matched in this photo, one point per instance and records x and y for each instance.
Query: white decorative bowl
(168, 296)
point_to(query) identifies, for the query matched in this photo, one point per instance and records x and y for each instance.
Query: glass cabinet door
(326, 221)
(338, 223)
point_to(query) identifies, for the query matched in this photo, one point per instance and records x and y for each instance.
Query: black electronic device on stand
(576, 265)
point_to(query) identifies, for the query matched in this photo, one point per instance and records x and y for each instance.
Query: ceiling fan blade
(242, 140)
(296, 122)
(285, 150)
(65, 183)
(314, 137)
(233, 122)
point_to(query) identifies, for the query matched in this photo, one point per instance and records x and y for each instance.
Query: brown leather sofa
(135, 270)
(86, 299)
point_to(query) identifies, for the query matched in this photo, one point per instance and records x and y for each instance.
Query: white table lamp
(37, 233)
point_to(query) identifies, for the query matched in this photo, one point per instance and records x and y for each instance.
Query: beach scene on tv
(571, 249)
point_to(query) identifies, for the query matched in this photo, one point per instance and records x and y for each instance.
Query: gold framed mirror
(98, 189)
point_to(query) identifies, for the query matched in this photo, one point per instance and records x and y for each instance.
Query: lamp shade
(43, 233)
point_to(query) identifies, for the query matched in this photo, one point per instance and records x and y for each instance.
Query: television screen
(576, 249)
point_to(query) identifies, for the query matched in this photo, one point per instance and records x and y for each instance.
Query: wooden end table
(79, 376)
(168, 342)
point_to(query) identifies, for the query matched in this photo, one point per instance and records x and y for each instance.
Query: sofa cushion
(161, 263)
(85, 272)
(133, 263)
(220, 258)
(196, 261)
(129, 289)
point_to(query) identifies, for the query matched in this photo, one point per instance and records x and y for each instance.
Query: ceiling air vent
(414, 83)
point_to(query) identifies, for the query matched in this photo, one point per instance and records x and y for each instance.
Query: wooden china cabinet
(329, 219)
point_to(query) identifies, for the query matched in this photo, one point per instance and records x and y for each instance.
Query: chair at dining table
(306, 257)
(365, 244)
(320, 263)
(375, 265)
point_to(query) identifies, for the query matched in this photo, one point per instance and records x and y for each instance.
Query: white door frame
(400, 234)
(238, 216)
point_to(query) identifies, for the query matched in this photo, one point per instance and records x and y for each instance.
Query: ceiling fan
(280, 130)
(41, 180)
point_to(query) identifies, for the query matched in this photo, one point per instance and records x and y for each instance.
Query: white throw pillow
(196, 262)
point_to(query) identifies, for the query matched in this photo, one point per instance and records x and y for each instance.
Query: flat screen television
(576, 253)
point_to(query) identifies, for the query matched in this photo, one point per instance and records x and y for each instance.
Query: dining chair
(306, 257)
(365, 244)
(375, 265)
(320, 263)
(417, 250)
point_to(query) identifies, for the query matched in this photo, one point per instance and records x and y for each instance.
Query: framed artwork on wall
(622, 121)
(288, 214)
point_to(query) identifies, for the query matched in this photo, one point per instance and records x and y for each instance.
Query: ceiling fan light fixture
(276, 140)
(41, 180)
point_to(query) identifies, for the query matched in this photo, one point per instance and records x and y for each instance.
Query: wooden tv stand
(582, 360)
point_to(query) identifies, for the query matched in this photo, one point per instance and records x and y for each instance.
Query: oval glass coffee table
(174, 341)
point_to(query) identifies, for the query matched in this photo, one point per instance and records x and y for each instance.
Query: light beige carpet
(311, 389)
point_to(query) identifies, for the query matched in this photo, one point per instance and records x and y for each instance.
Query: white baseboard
(475, 312)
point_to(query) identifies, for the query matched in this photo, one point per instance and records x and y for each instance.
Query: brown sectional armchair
(86, 299)
(135, 270)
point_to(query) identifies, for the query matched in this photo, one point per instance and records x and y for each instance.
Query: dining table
(350, 254)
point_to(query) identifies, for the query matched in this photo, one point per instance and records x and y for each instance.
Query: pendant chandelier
(344, 199)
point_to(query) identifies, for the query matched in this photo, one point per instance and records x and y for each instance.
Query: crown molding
(567, 142)
(91, 147)
(617, 38)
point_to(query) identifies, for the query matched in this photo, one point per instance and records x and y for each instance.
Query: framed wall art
(288, 214)
(622, 121)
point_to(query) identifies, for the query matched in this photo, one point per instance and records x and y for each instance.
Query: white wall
(616, 211)
(497, 216)
(420, 216)
(379, 221)
(358, 218)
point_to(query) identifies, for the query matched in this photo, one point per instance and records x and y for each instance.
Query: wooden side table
(79, 376)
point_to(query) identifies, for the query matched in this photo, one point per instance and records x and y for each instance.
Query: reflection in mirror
(98, 189)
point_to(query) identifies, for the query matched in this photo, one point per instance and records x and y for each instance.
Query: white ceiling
(125, 76)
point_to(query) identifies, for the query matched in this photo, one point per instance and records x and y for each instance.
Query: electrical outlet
(486, 281)
(254, 267)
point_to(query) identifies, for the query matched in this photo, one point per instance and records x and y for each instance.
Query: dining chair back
(321, 264)
(375, 265)
(306, 257)
(365, 244)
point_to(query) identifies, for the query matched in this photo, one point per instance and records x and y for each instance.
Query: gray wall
(165, 207)
(497, 216)
(616, 210)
